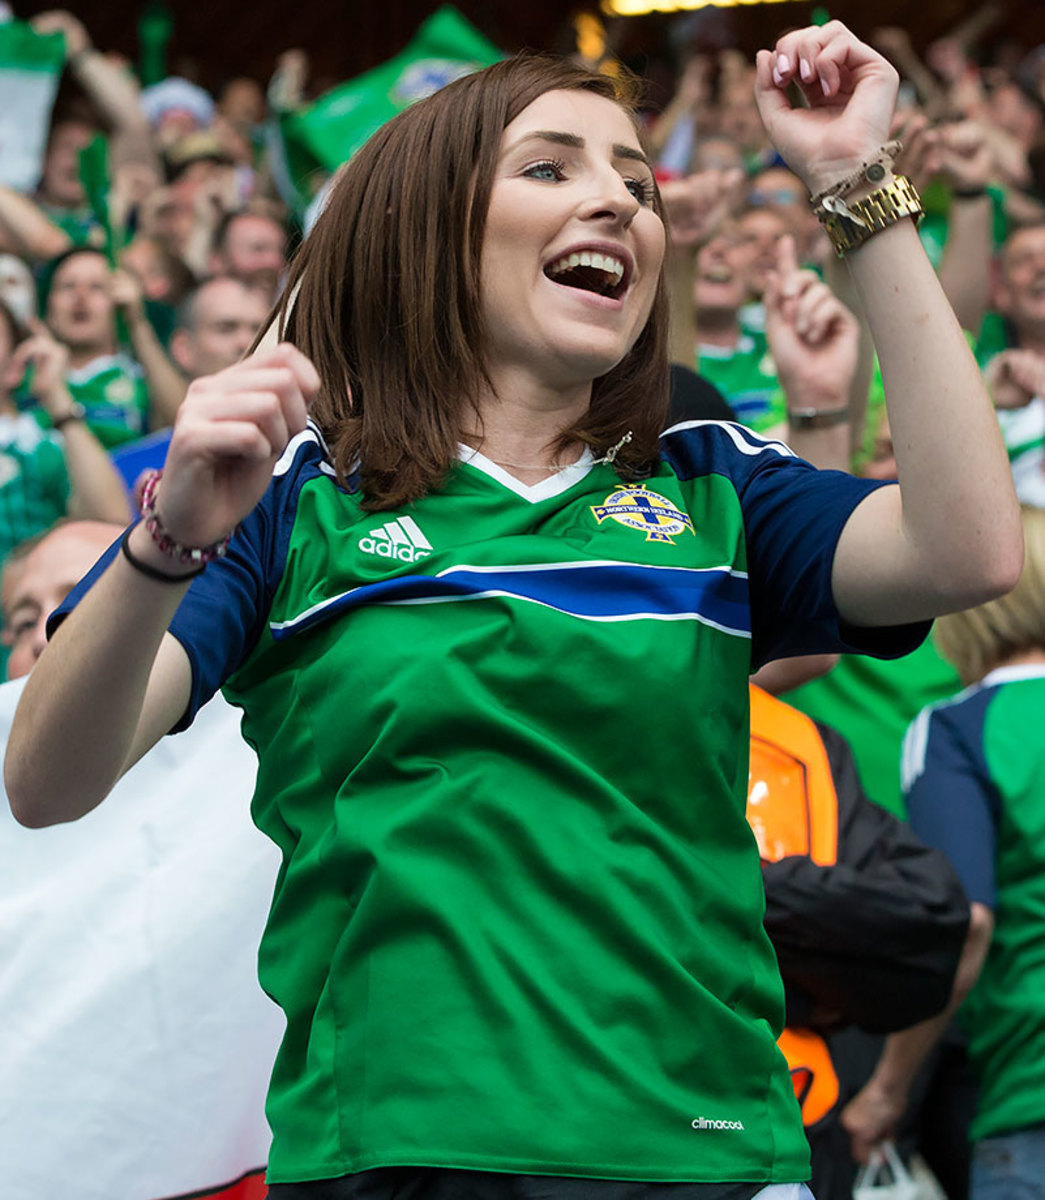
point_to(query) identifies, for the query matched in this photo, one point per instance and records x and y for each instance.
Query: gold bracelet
(849, 223)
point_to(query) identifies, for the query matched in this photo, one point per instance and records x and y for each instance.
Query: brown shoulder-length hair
(383, 295)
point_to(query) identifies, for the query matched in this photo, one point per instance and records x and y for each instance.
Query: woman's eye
(548, 170)
(640, 189)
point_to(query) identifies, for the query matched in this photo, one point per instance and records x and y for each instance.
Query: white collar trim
(554, 485)
(1014, 673)
(95, 367)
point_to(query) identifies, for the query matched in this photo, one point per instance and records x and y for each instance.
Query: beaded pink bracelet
(201, 555)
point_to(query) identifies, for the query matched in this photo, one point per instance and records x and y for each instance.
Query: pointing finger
(787, 263)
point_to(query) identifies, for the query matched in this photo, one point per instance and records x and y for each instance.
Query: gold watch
(849, 223)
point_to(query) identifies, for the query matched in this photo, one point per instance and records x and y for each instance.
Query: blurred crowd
(109, 311)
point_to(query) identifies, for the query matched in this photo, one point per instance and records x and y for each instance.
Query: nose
(611, 200)
(38, 636)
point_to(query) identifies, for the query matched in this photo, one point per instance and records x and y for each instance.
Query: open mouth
(590, 271)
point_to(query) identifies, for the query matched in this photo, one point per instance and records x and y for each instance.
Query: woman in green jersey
(491, 636)
(974, 783)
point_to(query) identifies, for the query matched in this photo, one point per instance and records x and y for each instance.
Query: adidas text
(705, 1123)
(400, 539)
(385, 549)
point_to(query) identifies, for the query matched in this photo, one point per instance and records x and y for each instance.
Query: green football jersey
(871, 703)
(746, 376)
(975, 781)
(112, 389)
(502, 739)
(34, 483)
(81, 224)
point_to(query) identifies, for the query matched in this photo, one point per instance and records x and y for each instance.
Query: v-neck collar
(554, 485)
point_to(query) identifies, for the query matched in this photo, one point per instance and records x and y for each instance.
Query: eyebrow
(573, 140)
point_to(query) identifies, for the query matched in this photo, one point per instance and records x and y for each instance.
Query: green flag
(94, 174)
(30, 64)
(317, 139)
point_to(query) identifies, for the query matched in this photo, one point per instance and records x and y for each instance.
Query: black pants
(426, 1183)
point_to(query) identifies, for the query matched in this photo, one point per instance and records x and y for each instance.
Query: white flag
(30, 64)
(135, 1042)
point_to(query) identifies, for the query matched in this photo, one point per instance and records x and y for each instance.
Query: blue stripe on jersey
(605, 591)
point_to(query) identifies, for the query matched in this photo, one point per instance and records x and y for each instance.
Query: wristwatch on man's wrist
(817, 418)
(75, 412)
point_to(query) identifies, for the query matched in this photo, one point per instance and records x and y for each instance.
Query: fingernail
(805, 69)
(778, 79)
(824, 87)
(783, 64)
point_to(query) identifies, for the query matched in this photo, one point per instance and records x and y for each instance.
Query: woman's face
(573, 249)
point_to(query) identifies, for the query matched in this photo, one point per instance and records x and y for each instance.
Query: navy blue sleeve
(224, 611)
(794, 515)
(952, 803)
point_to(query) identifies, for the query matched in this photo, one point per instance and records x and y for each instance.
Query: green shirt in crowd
(112, 389)
(974, 772)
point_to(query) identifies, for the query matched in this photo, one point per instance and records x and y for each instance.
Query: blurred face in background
(174, 124)
(60, 182)
(34, 586)
(757, 234)
(228, 314)
(720, 281)
(1013, 112)
(740, 121)
(255, 250)
(1020, 292)
(144, 259)
(717, 154)
(80, 306)
(242, 103)
(17, 287)
(781, 191)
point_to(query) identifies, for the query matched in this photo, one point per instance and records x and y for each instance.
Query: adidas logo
(400, 539)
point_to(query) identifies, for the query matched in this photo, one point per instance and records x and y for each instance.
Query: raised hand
(1015, 377)
(812, 336)
(696, 206)
(50, 361)
(966, 160)
(920, 157)
(287, 87)
(77, 39)
(851, 91)
(229, 431)
(894, 41)
(126, 293)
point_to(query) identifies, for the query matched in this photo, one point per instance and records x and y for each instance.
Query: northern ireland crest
(648, 512)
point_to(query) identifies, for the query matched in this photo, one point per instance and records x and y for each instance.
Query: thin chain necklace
(608, 457)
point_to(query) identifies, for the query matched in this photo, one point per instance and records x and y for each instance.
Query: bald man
(37, 578)
(216, 325)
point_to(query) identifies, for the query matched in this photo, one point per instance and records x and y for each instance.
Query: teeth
(590, 258)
